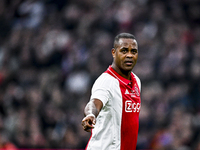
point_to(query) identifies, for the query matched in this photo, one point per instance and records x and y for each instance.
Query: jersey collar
(120, 78)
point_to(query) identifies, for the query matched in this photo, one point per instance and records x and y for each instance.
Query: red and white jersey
(118, 121)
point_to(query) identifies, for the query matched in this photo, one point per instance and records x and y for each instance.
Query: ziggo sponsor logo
(131, 106)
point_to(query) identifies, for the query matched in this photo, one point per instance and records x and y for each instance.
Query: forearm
(93, 107)
(91, 111)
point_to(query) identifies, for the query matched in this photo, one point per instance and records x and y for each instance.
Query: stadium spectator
(41, 49)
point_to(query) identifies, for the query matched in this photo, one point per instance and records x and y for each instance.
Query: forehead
(125, 42)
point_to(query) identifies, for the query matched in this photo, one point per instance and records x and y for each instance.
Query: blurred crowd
(51, 52)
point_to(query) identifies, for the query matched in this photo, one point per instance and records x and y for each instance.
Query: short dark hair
(122, 35)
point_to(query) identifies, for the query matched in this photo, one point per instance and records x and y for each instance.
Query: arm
(91, 111)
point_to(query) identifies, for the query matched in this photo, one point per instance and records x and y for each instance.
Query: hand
(88, 122)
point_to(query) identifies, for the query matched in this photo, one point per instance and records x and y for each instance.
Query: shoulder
(138, 80)
(105, 79)
(103, 87)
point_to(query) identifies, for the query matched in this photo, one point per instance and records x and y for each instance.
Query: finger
(88, 129)
(83, 123)
(86, 124)
(84, 119)
(88, 121)
(94, 122)
(89, 124)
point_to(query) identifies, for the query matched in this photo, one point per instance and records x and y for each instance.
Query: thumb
(94, 121)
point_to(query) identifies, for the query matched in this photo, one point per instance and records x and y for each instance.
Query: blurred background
(51, 52)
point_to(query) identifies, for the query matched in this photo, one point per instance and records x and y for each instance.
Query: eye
(123, 50)
(134, 51)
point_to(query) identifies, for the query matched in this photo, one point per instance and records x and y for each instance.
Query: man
(112, 114)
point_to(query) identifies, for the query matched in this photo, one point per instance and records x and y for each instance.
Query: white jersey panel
(138, 81)
(106, 88)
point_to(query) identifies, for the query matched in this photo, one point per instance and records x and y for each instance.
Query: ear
(113, 52)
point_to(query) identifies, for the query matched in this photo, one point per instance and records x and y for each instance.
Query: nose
(129, 54)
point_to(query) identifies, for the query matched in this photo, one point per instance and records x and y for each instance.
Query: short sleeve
(102, 88)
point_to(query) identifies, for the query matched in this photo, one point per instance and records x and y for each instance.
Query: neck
(123, 73)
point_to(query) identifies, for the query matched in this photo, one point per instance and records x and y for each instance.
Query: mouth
(129, 63)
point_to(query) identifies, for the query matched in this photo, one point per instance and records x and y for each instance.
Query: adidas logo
(126, 92)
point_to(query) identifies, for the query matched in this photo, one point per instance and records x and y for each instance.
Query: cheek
(136, 57)
(119, 58)
(121, 61)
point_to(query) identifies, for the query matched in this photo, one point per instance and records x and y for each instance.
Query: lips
(128, 63)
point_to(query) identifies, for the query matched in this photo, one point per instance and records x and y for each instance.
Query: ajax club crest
(137, 91)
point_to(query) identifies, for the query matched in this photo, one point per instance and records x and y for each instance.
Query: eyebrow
(127, 48)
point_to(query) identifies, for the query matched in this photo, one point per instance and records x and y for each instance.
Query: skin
(125, 55)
